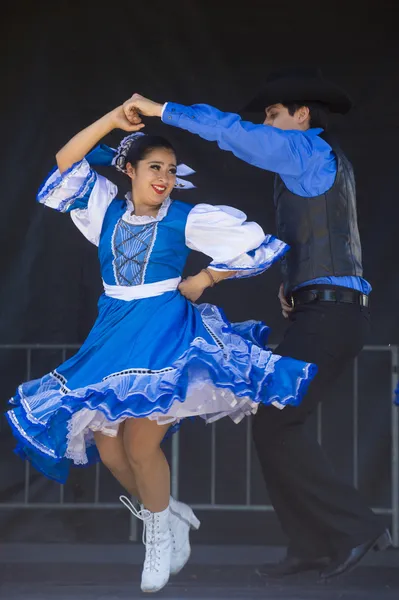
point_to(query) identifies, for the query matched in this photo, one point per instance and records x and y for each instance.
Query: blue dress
(151, 352)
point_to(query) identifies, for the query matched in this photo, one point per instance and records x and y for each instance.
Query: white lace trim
(203, 400)
(30, 439)
(144, 219)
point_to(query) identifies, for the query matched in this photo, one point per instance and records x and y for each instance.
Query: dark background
(63, 65)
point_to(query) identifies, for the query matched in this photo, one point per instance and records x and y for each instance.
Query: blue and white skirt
(161, 358)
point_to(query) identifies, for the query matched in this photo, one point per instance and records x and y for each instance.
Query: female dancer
(153, 357)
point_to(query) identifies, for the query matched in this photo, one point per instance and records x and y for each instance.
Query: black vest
(322, 231)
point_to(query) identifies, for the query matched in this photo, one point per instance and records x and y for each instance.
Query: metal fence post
(356, 422)
(27, 463)
(248, 461)
(132, 527)
(213, 464)
(395, 447)
(175, 459)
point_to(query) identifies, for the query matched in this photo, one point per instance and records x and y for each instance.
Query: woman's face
(154, 177)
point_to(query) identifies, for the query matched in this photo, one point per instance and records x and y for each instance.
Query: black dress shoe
(293, 565)
(353, 557)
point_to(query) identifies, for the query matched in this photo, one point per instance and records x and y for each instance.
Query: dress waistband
(146, 290)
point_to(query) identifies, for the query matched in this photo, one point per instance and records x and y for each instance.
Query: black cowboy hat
(300, 85)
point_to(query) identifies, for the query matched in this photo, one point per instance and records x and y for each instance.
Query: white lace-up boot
(182, 519)
(158, 546)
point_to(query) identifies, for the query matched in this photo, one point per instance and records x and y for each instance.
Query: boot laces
(150, 534)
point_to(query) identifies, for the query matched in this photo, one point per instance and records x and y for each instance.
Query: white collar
(144, 219)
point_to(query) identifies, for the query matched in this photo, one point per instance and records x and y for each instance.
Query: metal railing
(392, 511)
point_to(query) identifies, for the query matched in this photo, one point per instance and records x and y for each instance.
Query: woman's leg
(142, 439)
(181, 518)
(113, 456)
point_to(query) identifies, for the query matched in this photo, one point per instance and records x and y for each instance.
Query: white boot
(158, 546)
(182, 519)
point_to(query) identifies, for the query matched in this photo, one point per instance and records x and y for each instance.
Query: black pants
(321, 515)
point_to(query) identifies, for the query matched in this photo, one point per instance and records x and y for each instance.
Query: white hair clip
(119, 162)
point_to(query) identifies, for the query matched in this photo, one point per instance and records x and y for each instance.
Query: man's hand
(143, 106)
(286, 308)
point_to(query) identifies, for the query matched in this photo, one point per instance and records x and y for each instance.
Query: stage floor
(68, 572)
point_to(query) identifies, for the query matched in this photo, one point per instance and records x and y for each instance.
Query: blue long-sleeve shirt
(305, 162)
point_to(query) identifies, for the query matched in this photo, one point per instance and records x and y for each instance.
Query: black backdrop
(64, 64)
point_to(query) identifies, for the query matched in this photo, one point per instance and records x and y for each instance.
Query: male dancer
(324, 296)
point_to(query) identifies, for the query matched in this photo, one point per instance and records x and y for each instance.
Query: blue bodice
(134, 254)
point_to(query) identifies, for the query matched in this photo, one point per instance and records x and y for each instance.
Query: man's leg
(320, 514)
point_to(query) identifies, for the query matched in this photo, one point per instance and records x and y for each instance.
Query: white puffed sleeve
(82, 192)
(233, 243)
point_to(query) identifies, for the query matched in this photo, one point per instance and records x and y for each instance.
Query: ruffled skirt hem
(55, 426)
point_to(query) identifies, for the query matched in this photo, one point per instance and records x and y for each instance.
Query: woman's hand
(77, 147)
(193, 287)
(120, 120)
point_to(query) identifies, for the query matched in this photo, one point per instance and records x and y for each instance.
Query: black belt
(332, 294)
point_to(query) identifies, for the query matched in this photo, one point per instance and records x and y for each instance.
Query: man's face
(278, 116)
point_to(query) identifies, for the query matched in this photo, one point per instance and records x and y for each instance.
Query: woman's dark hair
(143, 145)
(318, 113)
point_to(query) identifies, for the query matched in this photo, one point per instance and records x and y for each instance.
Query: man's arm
(284, 152)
